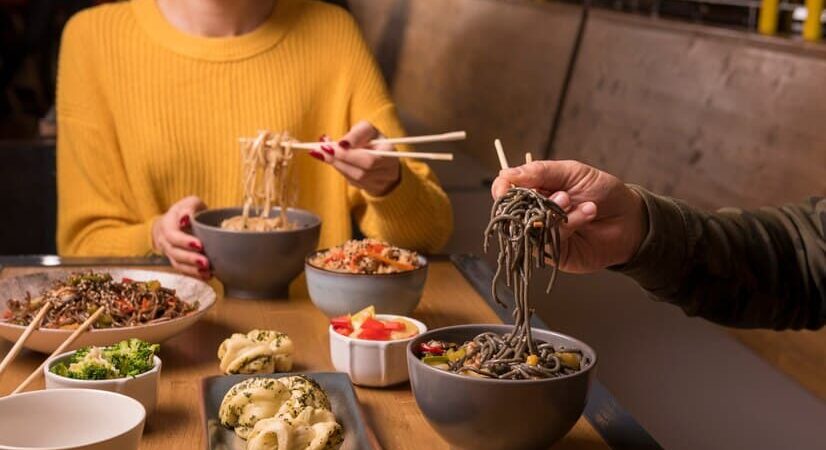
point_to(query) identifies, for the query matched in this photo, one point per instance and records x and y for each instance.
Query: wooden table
(392, 412)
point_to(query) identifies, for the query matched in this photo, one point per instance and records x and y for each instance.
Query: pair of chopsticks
(35, 323)
(503, 160)
(410, 140)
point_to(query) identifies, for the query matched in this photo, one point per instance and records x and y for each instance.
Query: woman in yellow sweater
(153, 94)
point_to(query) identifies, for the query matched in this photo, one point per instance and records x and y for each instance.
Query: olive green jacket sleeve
(763, 268)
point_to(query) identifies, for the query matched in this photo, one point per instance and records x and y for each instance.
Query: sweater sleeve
(94, 214)
(764, 268)
(416, 214)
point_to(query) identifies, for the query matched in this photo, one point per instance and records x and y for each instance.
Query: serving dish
(372, 363)
(337, 386)
(483, 413)
(64, 419)
(47, 340)
(143, 387)
(256, 264)
(338, 293)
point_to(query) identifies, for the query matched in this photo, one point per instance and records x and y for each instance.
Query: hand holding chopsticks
(410, 140)
(69, 341)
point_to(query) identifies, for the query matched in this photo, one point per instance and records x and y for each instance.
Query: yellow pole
(767, 23)
(811, 27)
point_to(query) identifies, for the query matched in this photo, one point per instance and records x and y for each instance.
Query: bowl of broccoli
(130, 367)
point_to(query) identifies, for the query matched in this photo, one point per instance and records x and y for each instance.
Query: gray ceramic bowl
(256, 264)
(487, 414)
(337, 294)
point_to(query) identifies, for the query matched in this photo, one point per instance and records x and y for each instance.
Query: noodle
(265, 164)
(524, 223)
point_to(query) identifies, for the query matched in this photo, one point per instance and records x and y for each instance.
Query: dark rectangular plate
(337, 385)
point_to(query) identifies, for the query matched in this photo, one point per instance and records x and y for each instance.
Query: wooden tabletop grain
(391, 412)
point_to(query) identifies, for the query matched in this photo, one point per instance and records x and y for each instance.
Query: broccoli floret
(132, 357)
(128, 358)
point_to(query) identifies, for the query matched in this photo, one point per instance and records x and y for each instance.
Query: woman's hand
(170, 237)
(351, 156)
(607, 221)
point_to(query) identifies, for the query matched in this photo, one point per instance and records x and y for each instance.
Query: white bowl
(372, 363)
(46, 340)
(64, 419)
(143, 388)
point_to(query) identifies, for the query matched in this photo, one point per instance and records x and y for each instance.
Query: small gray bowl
(256, 264)
(337, 293)
(488, 414)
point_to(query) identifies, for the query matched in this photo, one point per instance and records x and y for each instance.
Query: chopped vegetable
(365, 325)
(532, 360)
(128, 358)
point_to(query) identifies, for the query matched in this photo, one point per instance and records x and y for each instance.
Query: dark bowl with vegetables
(130, 367)
(472, 412)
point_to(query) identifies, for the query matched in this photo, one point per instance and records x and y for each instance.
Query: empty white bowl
(143, 388)
(70, 419)
(372, 363)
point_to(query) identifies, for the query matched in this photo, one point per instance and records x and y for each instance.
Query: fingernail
(515, 172)
(345, 144)
(202, 264)
(184, 223)
(315, 154)
(328, 150)
(556, 198)
(589, 209)
(196, 246)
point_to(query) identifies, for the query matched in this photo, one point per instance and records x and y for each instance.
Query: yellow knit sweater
(148, 115)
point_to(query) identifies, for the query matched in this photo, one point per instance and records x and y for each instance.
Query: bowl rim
(94, 392)
(57, 358)
(373, 343)
(218, 229)
(582, 372)
(203, 307)
(424, 263)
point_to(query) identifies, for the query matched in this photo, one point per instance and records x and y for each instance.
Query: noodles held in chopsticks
(265, 172)
(524, 223)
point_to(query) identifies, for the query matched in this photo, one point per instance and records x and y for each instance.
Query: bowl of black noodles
(473, 412)
(257, 264)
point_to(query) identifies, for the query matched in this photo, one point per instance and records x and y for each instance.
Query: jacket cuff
(661, 258)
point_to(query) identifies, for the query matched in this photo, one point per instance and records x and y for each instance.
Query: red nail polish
(316, 155)
(195, 246)
(345, 144)
(184, 223)
(328, 150)
(201, 263)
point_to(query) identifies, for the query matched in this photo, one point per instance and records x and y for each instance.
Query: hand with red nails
(351, 156)
(607, 220)
(170, 237)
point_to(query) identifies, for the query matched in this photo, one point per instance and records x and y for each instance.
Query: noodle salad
(126, 302)
(367, 256)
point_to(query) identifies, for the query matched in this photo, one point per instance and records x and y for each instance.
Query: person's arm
(416, 213)
(763, 268)
(94, 213)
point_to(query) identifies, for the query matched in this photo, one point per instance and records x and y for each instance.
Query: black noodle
(525, 224)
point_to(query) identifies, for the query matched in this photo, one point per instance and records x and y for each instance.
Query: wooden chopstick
(409, 140)
(500, 152)
(35, 323)
(72, 338)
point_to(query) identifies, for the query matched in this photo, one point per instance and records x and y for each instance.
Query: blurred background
(718, 102)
